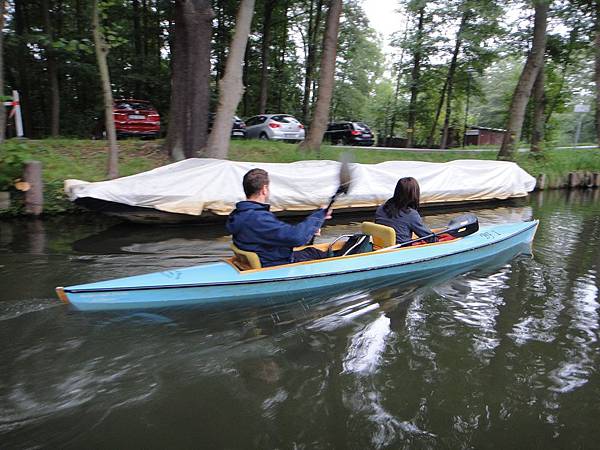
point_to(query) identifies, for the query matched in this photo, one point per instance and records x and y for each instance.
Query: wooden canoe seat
(246, 260)
(382, 235)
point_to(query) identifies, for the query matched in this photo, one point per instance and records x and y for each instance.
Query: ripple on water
(579, 343)
(13, 309)
(100, 383)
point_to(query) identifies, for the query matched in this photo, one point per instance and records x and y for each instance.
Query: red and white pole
(16, 111)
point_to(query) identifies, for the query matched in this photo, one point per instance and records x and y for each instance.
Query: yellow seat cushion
(250, 259)
(383, 236)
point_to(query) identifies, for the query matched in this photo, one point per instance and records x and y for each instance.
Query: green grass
(551, 162)
(260, 151)
(86, 159)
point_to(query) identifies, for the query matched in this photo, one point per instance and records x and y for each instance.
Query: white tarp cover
(196, 185)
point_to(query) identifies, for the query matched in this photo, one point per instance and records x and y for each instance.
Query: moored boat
(225, 281)
(198, 190)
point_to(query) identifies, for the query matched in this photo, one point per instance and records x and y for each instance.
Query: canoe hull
(219, 282)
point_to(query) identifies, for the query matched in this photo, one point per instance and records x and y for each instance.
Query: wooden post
(4, 200)
(541, 182)
(573, 180)
(596, 179)
(34, 196)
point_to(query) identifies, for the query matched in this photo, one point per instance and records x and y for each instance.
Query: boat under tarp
(197, 188)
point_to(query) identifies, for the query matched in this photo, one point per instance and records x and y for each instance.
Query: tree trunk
(450, 80)
(231, 87)
(158, 27)
(438, 112)
(245, 74)
(539, 104)
(137, 47)
(101, 54)
(522, 92)
(319, 121)
(597, 72)
(264, 56)
(145, 38)
(398, 80)
(3, 110)
(415, 80)
(221, 41)
(573, 35)
(312, 35)
(190, 79)
(23, 66)
(281, 62)
(52, 72)
(79, 17)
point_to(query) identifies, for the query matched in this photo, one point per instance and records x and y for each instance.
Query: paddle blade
(463, 225)
(345, 178)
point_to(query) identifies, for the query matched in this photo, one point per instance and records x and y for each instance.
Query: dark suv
(238, 128)
(349, 133)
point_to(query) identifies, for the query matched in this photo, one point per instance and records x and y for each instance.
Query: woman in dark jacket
(401, 212)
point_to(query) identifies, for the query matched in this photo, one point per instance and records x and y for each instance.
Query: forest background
(450, 63)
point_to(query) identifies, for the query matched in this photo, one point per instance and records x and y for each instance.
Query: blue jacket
(406, 223)
(256, 229)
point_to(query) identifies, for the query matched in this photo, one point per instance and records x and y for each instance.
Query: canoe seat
(383, 236)
(245, 260)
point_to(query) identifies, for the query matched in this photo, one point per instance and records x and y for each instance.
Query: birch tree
(524, 86)
(320, 118)
(102, 48)
(231, 86)
(539, 104)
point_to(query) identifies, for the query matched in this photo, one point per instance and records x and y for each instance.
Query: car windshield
(134, 105)
(361, 126)
(284, 119)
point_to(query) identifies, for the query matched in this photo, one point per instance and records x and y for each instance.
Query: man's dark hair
(254, 180)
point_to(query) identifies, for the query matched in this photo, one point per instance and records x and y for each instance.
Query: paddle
(458, 227)
(344, 179)
(343, 187)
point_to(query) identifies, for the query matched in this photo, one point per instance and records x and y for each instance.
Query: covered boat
(227, 280)
(203, 189)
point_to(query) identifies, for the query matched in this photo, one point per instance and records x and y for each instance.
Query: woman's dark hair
(254, 180)
(406, 195)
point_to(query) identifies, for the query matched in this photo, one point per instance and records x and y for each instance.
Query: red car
(133, 118)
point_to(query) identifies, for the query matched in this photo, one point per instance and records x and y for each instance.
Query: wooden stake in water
(34, 195)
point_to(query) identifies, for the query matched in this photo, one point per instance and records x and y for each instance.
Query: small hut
(484, 136)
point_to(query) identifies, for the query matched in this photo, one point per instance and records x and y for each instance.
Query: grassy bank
(86, 160)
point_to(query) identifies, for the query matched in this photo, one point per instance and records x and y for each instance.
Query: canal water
(504, 355)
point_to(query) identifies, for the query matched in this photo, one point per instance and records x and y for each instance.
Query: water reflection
(485, 356)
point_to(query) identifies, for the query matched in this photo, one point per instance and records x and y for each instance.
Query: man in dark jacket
(256, 229)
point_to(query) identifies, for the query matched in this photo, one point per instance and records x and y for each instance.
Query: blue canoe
(223, 281)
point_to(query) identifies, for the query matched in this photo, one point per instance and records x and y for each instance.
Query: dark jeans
(308, 254)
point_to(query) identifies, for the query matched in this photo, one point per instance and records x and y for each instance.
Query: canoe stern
(60, 291)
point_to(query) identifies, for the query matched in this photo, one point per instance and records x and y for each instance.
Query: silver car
(274, 126)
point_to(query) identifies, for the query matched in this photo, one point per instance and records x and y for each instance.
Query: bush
(12, 159)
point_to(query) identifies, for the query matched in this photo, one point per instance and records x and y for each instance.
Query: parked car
(136, 118)
(238, 129)
(275, 126)
(349, 133)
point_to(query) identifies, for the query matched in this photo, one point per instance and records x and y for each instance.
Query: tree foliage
(437, 65)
